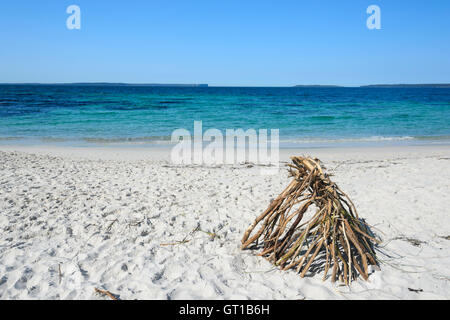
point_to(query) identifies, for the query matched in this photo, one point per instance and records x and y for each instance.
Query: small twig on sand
(212, 235)
(175, 243)
(59, 272)
(110, 225)
(135, 223)
(182, 241)
(106, 293)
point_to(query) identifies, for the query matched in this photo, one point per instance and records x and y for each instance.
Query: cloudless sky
(228, 42)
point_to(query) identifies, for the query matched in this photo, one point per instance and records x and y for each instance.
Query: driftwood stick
(106, 293)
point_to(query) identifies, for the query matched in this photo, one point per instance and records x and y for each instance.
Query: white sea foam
(337, 140)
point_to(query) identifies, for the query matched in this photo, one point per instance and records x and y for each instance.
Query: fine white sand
(75, 219)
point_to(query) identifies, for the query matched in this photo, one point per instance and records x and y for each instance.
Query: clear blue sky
(246, 42)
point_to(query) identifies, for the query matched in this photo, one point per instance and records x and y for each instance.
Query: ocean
(142, 115)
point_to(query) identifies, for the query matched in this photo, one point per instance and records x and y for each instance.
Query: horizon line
(242, 86)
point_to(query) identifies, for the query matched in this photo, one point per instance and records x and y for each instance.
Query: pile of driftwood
(333, 238)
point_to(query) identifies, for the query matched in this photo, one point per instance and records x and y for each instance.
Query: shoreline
(158, 153)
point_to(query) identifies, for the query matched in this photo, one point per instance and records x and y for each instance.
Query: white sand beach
(128, 221)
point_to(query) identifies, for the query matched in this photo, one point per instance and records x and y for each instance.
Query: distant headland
(113, 84)
(418, 85)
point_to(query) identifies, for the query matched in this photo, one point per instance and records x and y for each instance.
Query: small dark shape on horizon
(417, 85)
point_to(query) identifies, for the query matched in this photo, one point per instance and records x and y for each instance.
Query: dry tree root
(335, 237)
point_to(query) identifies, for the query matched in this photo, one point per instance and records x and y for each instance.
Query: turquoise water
(148, 115)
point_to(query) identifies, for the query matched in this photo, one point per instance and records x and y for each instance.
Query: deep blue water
(136, 114)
